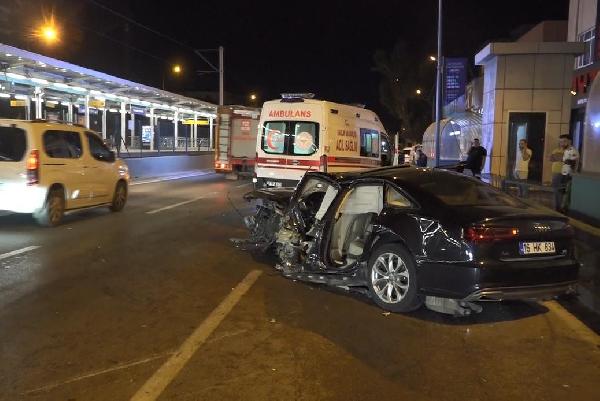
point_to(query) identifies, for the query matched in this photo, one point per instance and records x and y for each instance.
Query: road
(154, 304)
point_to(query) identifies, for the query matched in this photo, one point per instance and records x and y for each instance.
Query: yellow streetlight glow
(177, 69)
(48, 31)
(418, 91)
(432, 58)
(253, 97)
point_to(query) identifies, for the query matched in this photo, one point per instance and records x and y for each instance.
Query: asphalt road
(154, 304)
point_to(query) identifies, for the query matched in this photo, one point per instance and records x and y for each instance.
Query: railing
(138, 146)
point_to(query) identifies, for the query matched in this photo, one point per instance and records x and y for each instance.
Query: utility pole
(221, 73)
(220, 69)
(438, 89)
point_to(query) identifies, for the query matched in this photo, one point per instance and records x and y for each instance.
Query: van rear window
(293, 138)
(12, 144)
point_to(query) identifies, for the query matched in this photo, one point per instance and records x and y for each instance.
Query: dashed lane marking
(156, 384)
(173, 206)
(18, 252)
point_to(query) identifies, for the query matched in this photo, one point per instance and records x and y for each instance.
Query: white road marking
(97, 373)
(172, 177)
(156, 384)
(173, 206)
(584, 332)
(18, 252)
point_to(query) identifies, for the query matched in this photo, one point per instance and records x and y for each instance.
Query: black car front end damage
(381, 234)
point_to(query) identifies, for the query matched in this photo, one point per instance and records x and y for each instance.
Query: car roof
(401, 175)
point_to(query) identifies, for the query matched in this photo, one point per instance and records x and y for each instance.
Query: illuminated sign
(18, 103)
(455, 78)
(195, 122)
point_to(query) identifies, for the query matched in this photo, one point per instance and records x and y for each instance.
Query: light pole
(220, 69)
(438, 88)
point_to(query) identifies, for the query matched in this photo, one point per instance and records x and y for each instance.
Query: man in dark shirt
(476, 158)
(421, 158)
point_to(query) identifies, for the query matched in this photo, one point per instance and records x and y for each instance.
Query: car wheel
(54, 209)
(119, 198)
(392, 279)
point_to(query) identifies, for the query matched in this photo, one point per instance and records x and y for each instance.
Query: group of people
(564, 160)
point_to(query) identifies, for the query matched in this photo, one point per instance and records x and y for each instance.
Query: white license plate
(532, 248)
(276, 184)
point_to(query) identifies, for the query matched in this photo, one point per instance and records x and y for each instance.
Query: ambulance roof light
(297, 95)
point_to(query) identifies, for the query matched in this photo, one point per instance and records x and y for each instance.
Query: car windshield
(12, 144)
(457, 190)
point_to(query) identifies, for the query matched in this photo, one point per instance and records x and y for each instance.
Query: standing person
(476, 158)
(421, 158)
(521, 171)
(556, 158)
(569, 166)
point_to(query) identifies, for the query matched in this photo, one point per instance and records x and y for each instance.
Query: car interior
(353, 223)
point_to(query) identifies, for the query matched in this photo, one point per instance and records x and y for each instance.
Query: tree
(402, 73)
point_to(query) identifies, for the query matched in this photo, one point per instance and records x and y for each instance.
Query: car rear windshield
(457, 190)
(12, 144)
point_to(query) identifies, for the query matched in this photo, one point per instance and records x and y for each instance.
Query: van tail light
(323, 164)
(33, 167)
(489, 234)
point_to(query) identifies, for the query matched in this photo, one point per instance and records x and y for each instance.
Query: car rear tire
(54, 209)
(392, 279)
(119, 197)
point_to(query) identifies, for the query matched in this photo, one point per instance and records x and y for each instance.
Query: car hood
(281, 196)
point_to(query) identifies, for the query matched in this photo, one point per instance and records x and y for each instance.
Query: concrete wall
(524, 83)
(157, 166)
(546, 31)
(585, 195)
(582, 16)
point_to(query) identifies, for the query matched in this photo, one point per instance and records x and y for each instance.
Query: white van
(47, 168)
(299, 133)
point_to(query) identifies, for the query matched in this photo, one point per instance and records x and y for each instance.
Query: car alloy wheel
(390, 278)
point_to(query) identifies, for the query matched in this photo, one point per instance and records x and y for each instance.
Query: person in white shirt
(570, 160)
(521, 171)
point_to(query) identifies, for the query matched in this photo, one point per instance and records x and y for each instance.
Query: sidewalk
(587, 243)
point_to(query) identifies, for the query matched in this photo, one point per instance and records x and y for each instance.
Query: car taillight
(33, 167)
(489, 234)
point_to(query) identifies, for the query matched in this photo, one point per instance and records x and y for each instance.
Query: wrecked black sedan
(408, 236)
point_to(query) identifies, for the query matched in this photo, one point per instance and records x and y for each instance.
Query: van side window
(98, 150)
(62, 144)
(369, 142)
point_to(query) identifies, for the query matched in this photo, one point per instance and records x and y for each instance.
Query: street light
(252, 96)
(432, 58)
(418, 91)
(48, 32)
(177, 69)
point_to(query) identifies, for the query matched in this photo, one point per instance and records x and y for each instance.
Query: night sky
(323, 47)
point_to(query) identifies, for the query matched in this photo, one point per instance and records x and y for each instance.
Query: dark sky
(324, 47)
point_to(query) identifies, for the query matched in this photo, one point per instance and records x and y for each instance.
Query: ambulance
(299, 133)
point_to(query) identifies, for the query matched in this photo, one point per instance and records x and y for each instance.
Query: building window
(589, 38)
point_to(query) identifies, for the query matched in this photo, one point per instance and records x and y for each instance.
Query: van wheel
(119, 198)
(54, 209)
